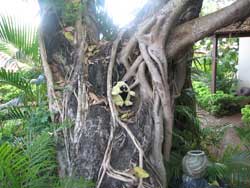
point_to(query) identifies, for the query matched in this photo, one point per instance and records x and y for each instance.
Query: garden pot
(195, 163)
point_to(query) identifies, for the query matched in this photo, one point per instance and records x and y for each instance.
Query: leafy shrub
(232, 168)
(76, 182)
(184, 141)
(8, 92)
(226, 66)
(218, 104)
(28, 165)
(246, 114)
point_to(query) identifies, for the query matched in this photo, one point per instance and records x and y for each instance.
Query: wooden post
(214, 63)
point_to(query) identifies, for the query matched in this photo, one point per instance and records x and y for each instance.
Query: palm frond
(239, 169)
(188, 115)
(14, 113)
(13, 163)
(234, 168)
(244, 134)
(4, 47)
(215, 171)
(21, 36)
(30, 167)
(42, 163)
(15, 79)
(174, 169)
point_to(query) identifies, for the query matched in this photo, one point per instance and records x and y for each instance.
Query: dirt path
(230, 136)
(208, 120)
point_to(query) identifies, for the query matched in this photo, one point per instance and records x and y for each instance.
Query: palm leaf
(244, 134)
(239, 169)
(15, 79)
(42, 163)
(21, 36)
(14, 113)
(234, 167)
(12, 164)
(215, 171)
(33, 167)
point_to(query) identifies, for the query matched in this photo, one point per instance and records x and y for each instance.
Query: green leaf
(15, 35)
(16, 79)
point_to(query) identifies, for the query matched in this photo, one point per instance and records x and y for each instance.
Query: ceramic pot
(195, 163)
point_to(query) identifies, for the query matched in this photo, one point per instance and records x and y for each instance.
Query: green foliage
(14, 113)
(68, 11)
(233, 168)
(190, 136)
(27, 150)
(246, 114)
(184, 141)
(226, 63)
(11, 131)
(16, 79)
(29, 166)
(211, 137)
(186, 135)
(218, 104)
(42, 161)
(244, 135)
(32, 113)
(174, 169)
(75, 182)
(20, 37)
(13, 163)
(8, 92)
(215, 171)
(24, 122)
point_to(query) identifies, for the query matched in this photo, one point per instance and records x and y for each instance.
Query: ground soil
(229, 122)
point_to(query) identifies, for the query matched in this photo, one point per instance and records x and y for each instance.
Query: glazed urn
(194, 164)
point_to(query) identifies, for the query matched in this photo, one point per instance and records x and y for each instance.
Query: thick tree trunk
(94, 142)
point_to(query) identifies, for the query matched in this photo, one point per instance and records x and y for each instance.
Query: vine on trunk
(149, 44)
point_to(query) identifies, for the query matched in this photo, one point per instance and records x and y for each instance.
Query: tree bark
(94, 142)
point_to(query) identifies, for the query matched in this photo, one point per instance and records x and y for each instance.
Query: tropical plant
(186, 136)
(16, 79)
(28, 165)
(226, 66)
(30, 96)
(245, 111)
(244, 135)
(19, 40)
(233, 168)
(219, 103)
(27, 148)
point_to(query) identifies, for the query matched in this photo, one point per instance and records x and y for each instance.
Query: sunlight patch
(123, 11)
(26, 12)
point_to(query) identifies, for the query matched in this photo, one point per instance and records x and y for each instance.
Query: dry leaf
(140, 172)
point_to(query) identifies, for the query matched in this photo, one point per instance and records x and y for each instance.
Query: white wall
(244, 62)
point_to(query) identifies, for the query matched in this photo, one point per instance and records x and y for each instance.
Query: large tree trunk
(94, 142)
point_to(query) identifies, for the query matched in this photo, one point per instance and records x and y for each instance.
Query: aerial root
(150, 71)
